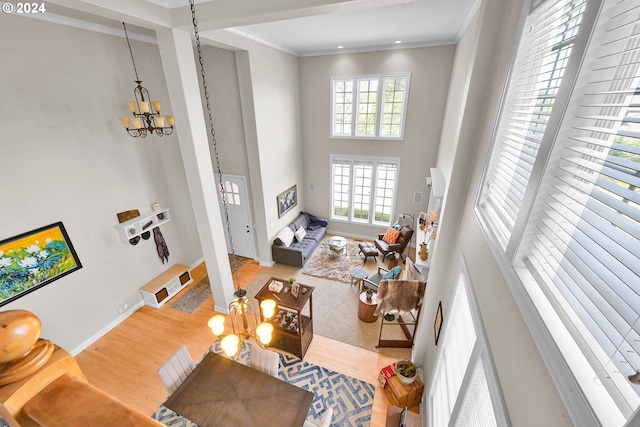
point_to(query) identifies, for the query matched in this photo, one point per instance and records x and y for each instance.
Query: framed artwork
(34, 259)
(422, 219)
(438, 323)
(295, 289)
(287, 200)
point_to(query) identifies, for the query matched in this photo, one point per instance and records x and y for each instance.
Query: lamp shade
(125, 122)
(264, 331)
(216, 323)
(230, 344)
(132, 106)
(170, 120)
(156, 106)
(268, 307)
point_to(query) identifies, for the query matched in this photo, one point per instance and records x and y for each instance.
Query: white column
(176, 51)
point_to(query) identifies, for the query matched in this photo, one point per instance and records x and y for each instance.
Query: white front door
(239, 215)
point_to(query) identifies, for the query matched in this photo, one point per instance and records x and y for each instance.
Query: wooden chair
(325, 421)
(400, 303)
(373, 282)
(176, 369)
(266, 361)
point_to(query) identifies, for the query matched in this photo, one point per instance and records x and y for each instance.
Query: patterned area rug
(194, 297)
(325, 264)
(350, 398)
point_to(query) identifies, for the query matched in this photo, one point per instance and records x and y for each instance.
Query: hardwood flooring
(124, 362)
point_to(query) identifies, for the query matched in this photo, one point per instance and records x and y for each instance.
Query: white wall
(530, 394)
(430, 73)
(64, 156)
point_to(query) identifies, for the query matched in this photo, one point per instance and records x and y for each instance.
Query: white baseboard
(95, 337)
(267, 263)
(197, 263)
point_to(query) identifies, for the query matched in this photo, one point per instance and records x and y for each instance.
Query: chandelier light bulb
(230, 344)
(268, 307)
(264, 331)
(216, 323)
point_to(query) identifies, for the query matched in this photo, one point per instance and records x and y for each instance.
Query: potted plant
(291, 280)
(406, 370)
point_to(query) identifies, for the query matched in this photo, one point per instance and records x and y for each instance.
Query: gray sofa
(298, 252)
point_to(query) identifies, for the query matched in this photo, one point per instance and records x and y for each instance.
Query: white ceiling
(300, 27)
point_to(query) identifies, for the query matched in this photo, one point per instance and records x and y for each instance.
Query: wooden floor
(124, 361)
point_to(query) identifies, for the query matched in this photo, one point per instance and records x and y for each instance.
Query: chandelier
(146, 113)
(244, 312)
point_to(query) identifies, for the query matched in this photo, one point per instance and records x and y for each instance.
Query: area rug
(350, 398)
(198, 294)
(194, 297)
(335, 309)
(325, 264)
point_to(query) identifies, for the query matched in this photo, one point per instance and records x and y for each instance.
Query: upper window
(369, 106)
(363, 188)
(561, 198)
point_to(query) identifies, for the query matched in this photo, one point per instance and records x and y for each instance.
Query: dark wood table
(222, 392)
(294, 340)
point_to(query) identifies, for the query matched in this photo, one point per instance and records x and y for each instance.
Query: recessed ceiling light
(398, 41)
(340, 47)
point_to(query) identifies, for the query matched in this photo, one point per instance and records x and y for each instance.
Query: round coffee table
(337, 245)
(366, 308)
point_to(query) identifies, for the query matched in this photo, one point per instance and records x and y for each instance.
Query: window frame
(380, 103)
(480, 353)
(375, 162)
(578, 401)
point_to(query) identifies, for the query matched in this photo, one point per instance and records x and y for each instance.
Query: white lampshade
(216, 323)
(268, 307)
(230, 344)
(264, 331)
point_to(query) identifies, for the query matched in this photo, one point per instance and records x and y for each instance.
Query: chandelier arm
(223, 191)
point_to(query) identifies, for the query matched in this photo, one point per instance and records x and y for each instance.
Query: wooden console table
(295, 341)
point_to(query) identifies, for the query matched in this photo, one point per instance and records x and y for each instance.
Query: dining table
(223, 392)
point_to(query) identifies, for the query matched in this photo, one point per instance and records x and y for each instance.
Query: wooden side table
(404, 395)
(366, 308)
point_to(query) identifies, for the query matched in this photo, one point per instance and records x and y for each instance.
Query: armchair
(400, 244)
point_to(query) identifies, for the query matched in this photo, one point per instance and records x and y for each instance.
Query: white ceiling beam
(220, 14)
(136, 12)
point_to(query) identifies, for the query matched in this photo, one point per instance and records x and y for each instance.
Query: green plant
(291, 280)
(406, 368)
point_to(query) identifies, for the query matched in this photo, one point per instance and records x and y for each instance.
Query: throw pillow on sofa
(300, 233)
(391, 236)
(284, 237)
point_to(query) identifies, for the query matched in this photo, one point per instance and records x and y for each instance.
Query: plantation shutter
(536, 75)
(582, 241)
(457, 346)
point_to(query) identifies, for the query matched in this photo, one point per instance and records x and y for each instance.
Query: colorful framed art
(34, 259)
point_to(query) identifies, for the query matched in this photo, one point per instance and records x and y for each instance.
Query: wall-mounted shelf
(145, 222)
(435, 204)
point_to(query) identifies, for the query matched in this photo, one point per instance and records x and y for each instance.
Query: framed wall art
(438, 323)
(34, 259)
(287, 200)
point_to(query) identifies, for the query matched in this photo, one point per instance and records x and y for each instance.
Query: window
(463, 374)
(363, 189)
(369, 106)
(573, 240)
